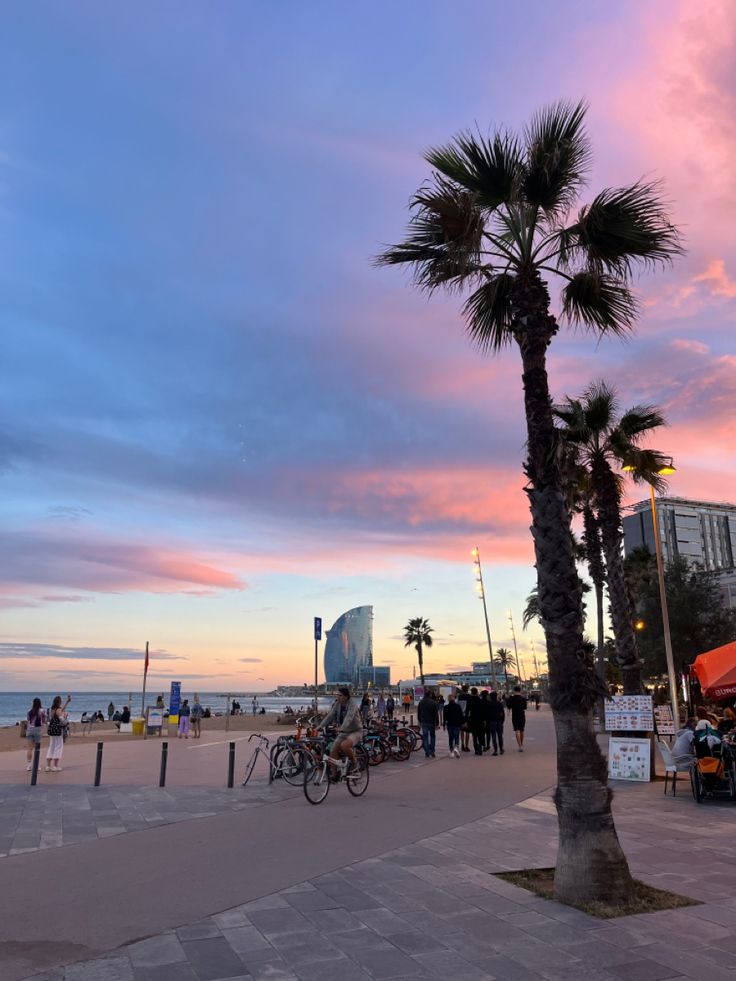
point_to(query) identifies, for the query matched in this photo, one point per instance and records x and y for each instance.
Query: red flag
(145, 670)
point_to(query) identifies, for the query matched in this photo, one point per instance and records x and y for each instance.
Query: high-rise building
(702, 532)
(349, 646)
(374, 677)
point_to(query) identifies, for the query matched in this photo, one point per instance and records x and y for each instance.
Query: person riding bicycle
(345, 714)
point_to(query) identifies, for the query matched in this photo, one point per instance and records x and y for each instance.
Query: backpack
(55, 726)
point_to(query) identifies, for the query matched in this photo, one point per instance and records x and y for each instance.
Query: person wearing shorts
(34, 729)
(345, 713)
(517, 706)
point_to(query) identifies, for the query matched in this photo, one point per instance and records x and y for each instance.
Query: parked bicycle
(285, 759)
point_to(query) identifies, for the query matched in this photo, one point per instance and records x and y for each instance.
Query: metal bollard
(36, 763)
(411, 720)
(164, 759)
(98, 764)
(231, 767)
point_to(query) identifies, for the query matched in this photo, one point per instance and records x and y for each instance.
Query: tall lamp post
(664, 471)
(482, 595)
(519, 666)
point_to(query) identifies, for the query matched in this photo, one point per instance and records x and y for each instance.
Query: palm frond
(626, 225)
(487, 167)
(444, 237)
(488, 313)
(557, 156)
(639, 420)
(645, 466)
(599, 301)
(601, 406)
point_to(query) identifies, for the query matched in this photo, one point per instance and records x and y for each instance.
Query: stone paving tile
(213, 958)
(392, 963)
(156, 951)
(102, 969)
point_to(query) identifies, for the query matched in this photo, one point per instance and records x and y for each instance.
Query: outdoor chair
(672, 766)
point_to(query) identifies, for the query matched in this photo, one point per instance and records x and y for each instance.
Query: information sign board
(174, 701)
(154, 717)
(629, 713)
(663, 720)
(318, 628)
(628, 759)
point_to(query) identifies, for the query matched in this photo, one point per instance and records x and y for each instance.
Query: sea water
(14, 706)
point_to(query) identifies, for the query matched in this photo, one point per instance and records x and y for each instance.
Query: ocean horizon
(15, 705)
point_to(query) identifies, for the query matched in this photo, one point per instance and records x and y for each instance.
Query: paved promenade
(395, 885)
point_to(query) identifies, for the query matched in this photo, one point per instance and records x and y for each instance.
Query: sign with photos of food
(629, 713)
(628, 759)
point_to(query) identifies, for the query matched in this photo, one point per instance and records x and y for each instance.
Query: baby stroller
(713, 772)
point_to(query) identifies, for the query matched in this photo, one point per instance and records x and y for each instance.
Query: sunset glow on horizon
(219, 419)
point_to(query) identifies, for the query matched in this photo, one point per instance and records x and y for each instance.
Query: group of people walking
(470, 714)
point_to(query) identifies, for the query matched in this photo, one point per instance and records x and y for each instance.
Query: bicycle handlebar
(258, 735)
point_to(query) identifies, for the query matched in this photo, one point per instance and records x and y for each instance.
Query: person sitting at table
(683, 750)
(728, 722)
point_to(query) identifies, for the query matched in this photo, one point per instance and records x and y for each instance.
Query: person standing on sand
(110, 711)
(381, 706)
(34, 730)
(197, 713)
(57, 720)
(184, 713)
(517, 707)
(254, 705)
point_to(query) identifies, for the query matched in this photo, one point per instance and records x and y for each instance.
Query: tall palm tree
(604, 440)
(495, 217)
(505, 660)
(418, 634)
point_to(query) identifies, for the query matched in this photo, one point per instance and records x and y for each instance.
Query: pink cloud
(79, 561)
(717, 280)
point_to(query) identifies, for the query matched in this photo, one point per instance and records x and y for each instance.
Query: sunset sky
(217, 417)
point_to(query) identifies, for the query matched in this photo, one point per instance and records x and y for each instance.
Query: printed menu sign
(663, 718)
(629, 713)
(628, 759)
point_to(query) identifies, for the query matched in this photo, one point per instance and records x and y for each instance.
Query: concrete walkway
(433, 910)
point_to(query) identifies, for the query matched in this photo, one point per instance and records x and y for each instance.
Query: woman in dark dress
(517, 707)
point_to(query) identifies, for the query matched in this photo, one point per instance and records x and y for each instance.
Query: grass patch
(646, 899)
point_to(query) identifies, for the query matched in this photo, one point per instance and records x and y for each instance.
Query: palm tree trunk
(591, 865)
(622, 609)
(596, 570)
(420, 658)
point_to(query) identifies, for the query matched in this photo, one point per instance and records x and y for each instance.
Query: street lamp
(482, 595)
(516, 650)
(665, 470)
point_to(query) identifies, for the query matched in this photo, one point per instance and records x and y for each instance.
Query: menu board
(629, 713)
(663, 719)
(628, 759)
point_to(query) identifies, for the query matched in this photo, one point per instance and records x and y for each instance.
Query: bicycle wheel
(358, 781)
(289, 762)
(400, 749)
(249, 767)
(376, 752)
(316, 782)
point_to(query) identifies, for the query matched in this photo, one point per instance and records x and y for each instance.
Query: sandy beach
(10, 735)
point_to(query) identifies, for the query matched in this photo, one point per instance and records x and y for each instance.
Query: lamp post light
(519, 666)
(664, 471)
(482, 595)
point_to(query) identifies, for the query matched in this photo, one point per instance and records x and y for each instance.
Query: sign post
(174, 702)
(317, 639)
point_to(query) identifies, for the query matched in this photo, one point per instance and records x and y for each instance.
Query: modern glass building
(374, 677)
(349, 646)
(702, 532)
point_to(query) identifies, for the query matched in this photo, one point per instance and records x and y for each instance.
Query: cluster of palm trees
(497, 217)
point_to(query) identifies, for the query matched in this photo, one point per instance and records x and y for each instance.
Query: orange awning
(716, 671)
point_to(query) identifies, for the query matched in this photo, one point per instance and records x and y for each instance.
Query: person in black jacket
(428, 718)
(454, 718)
(462, 700)
(496, 719)
(486, 720)
(474, 716)
(517, 707)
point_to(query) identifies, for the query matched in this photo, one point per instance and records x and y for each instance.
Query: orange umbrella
(716, 671)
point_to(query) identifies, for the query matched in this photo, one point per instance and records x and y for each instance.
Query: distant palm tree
(505, 660)
(603, 440)
(418, 634)
(497, 218)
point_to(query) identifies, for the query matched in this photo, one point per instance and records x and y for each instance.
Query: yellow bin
(138, 725)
